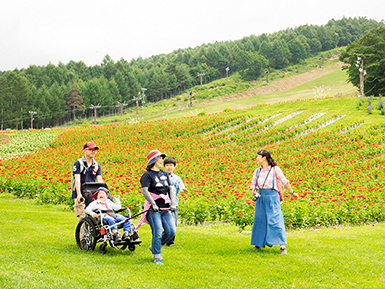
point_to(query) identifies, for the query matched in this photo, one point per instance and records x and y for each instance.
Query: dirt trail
(279, 85)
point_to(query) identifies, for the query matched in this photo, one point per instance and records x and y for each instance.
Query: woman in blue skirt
(266, 184)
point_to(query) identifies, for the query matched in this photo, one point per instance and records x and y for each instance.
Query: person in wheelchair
(101, 202)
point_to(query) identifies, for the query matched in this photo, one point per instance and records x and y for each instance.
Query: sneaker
(134, 236)
(158, 262)
(170, 245)
(257, 248)
(126, 236)
(117, 237)
(283, 250)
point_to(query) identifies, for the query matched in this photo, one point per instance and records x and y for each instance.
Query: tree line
(365, 59)
(54, 94)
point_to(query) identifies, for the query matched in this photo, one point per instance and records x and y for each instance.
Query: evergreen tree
(121, 82)
(252, 64)
(14, 95)
(133, 87)
(280, 54)
(57, 104)
(43, 116)
(108, 67)
(298, 50)
(74, 101)
(371, 50)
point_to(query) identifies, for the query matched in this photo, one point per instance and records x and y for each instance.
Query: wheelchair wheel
(103, 248)
(131, 247)
(86, 234)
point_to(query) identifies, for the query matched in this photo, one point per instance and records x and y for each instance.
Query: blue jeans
(175, 216)
(111, 221)
(163, 230)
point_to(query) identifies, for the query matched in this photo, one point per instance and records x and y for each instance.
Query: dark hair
(266, 153)
(169, 160)
(149, 167)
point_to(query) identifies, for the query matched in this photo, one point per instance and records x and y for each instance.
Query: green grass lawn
(39, 251)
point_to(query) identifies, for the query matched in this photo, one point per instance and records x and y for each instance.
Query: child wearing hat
(176, 181)
(103, 203)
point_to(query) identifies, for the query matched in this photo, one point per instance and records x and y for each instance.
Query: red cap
(90, 146)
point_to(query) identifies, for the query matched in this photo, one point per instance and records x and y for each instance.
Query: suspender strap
(259, 172)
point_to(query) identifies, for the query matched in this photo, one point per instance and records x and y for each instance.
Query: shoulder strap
(259, 170)
(82, 166)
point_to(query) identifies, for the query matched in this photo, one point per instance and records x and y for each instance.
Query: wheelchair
(91, 231)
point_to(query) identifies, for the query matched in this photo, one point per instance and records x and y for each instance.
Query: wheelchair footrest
(135, 242)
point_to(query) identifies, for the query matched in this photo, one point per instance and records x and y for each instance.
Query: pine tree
(74, 101)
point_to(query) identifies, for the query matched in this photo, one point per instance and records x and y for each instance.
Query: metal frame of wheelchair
(91, 231)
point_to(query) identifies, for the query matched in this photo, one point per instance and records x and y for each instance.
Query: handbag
(279, 185)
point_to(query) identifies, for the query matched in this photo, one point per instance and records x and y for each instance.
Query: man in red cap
(85, 170)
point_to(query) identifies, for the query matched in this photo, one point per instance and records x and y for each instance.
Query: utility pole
(320, 61)
(32, 113)
(143, 96)
(136, 99)
(121, 104)
(191, 94)
(360, 66)
(94, 107)
(201, 74)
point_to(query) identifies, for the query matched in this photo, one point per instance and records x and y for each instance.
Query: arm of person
(172, 197)
(182, 187)
(99, 179)
(148, 197)
(287, 186)
(79, 195)
(285, 182)
(253, 186)
(90, 209)
(117, 205)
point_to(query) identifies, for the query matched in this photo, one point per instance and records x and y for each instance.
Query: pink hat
(153, 156)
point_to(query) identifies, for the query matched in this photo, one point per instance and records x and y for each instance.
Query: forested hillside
(54, 94)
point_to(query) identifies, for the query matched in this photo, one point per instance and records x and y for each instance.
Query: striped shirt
(260, 175)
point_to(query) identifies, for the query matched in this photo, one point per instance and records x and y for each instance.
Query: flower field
(332, 152)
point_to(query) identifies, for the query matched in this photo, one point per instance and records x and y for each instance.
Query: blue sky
(52, 31)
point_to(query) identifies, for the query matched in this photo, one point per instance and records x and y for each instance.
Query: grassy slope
(39, 251)
(333, 79)
(333, 83)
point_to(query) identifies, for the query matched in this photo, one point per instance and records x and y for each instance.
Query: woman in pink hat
(160, 197)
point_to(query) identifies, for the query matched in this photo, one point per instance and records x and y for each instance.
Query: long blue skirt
(268, 226)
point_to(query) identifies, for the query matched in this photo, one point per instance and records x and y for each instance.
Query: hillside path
(279, 85)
